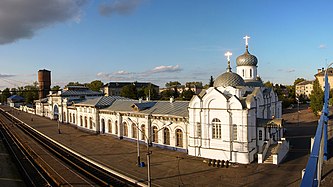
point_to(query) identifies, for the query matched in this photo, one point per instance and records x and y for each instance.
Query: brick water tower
(44, 81)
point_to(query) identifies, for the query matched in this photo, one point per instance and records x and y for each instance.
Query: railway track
(44, 162)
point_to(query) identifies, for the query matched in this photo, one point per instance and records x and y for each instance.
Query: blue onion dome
(247, 59)
(229, 79)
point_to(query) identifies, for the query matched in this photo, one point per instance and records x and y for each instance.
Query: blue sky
(161, 40)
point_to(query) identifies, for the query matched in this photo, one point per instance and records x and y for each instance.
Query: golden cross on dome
(228, 54)
(246, 40)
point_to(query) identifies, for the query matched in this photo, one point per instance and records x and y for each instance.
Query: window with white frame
(216, 129)
(198, 130)
(260, 134)
(235, 132)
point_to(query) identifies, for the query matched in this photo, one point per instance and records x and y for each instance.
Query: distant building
(15, 101)
(114, 88)
(304, 89)
(320, 76)
(54, 106)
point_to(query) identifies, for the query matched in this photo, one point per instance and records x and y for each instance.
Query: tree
(30, 93)
(129, 91)
(172, 84)
(298, 80)
(187, 95)
(316, 97)
(13, 91)
(149, 91)
(166, 94)
(74, 84)
(5, 94)
(211, 81)
(95, 85)
(55, 88)
(193, 84)
(268, 84)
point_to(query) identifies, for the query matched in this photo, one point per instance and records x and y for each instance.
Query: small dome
(247, 59)
(229, 79)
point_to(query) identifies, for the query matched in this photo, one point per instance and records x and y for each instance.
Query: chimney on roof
(172, 99)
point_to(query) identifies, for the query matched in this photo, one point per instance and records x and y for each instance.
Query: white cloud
(123, 7)
(322, 46)
(122, 72)
(6, 76)
(21, 18)
(166, 69)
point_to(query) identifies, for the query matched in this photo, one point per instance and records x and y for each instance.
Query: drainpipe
(230, 129)
(97, 121)
(200, 120)
(246, 114)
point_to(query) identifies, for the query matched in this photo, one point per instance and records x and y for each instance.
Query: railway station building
(236, 120)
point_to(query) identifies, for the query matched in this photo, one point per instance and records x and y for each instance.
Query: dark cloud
(22, 18)
(119, 7)
(287, 70)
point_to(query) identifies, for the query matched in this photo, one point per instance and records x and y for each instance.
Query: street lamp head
(170, 123)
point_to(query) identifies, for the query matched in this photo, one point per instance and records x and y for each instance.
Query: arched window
(125, 129)
(64, 116)
(143, 132)
(260, 134)
(116, 127)
(179, 138)
(155, 135)
(166, 136)
(134, 131)
(251, 73)
(85, 122)
(243, 73)
(70, 118)
(216, 128)
(73, 118)
(110, 126)
(81, 121)
(103, 126)
(90, 123)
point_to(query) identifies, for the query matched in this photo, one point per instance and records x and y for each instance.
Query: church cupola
(229, 78)
(247, 64)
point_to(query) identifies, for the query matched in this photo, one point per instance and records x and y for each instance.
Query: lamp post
(137, 140)
(297, 99)
(148, 151)
(58, 127)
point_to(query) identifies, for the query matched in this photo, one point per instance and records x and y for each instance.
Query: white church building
(237, 120)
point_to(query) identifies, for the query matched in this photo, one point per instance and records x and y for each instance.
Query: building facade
(236, 120)
(304, 89)
(321, 74)
(223, 120)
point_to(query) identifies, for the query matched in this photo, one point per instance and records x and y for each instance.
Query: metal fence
(312, 175)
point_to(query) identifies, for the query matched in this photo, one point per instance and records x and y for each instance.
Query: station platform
(168, 167)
